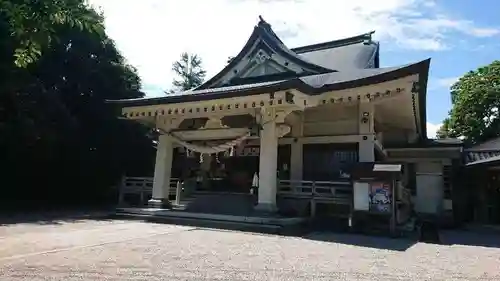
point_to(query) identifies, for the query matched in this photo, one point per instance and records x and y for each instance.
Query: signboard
(387, 168)
(380, 197)
(248, 151)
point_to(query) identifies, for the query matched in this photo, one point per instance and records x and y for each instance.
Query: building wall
(330, 120)
(339, 127)
(429, 187)
(431, 195)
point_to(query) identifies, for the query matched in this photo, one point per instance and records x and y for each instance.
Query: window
(447, 181)
(329, 162)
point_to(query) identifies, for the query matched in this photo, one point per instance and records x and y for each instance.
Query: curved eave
(492, 161)
(233, 63)
(275, 44)
(204, 94)
(279, 48)
(420, 68)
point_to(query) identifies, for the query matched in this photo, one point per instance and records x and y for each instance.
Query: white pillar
(366, 132)
(268, 166)
(163, 171)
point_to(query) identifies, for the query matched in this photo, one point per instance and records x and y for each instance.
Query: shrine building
(277, 117)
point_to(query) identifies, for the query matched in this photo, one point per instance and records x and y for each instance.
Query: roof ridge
(334, 43)
(264, 31)
(266, 27)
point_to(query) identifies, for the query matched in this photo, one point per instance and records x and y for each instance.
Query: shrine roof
(265, 57)
(347, 53)
(309, 85)
(263, 42)
(482, 158)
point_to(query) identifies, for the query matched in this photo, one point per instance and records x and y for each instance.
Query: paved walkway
(131, 250)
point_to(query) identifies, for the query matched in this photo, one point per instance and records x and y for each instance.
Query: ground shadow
(53, 217)
(376, 242)
(336, 232)
(470, 238)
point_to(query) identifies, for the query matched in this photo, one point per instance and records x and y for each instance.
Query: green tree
(61, 140)
(189, 72)
(475, 105)
(33, 24)
(444, 130)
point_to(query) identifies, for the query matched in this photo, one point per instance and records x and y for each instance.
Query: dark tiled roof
(428, 143)
(194, 95)
(342, 54)
(365, 37)
(320, 80)
(268, 31)
(266, 35)
(481, 156)
(347, 57)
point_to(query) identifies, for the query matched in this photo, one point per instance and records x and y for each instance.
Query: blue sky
(459, 35)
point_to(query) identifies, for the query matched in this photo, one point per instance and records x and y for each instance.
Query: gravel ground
(132, 250)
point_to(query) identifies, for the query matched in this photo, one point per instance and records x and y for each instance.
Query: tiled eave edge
(204, 108)
(290, 99)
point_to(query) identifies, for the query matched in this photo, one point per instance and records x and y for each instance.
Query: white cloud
(446, 82)
(151, 34)
(432, 129)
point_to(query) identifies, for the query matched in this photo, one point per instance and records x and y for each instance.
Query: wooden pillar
(268, 163)
(162, 175)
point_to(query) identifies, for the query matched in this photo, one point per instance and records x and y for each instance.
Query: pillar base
(160, 203)
(266, 208)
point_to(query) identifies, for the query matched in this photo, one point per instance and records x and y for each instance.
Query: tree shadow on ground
(376, 242)
(54, 217)
(470, 238)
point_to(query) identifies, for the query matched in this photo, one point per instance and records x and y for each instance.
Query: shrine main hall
(277, 117)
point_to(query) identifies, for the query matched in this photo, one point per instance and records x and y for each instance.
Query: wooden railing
(327, 190)
(332, 192)
(142, 186)
(317, 192)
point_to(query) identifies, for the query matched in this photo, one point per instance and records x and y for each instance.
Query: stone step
(285, 229)
(229, 204)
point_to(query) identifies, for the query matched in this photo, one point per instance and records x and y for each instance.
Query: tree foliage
(444, 131)
(189, 71)
(475, 105)
(62, 141)
(33, 24)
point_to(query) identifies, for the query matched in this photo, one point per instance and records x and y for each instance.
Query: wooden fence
(327, 192)
(142, 187)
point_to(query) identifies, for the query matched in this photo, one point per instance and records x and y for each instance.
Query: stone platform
(264, 223)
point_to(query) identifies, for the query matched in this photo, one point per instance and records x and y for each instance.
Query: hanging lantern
(415, 88)
(154, 133)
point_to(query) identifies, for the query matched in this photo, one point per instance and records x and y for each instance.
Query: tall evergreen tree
(189, 72)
